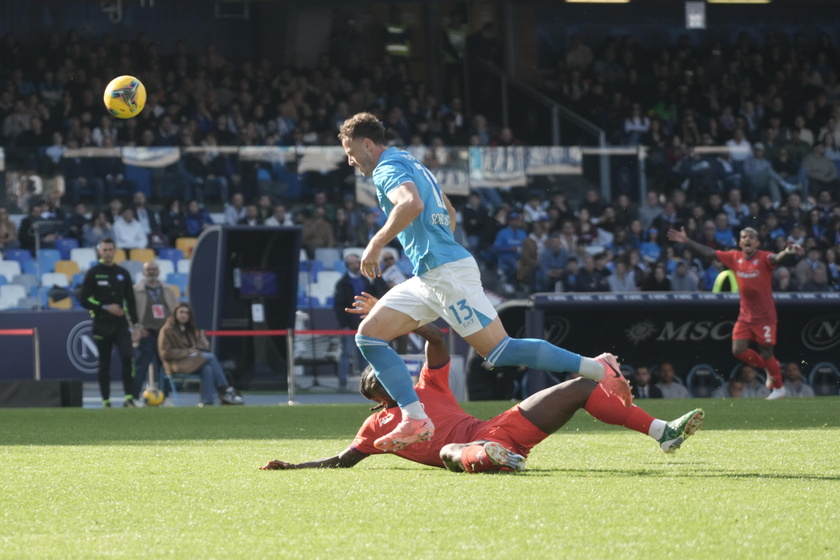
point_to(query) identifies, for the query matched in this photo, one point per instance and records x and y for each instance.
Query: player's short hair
(363, 125)
(369, 386)
(750, 230)
(105, 241)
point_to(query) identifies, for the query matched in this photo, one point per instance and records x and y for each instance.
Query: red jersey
(754, 277)
(452, 424)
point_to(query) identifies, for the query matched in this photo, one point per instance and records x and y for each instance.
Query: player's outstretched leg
(613, 380)
(677, 431)
(540, 354)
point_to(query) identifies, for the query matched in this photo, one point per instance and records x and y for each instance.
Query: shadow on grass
(704, 472)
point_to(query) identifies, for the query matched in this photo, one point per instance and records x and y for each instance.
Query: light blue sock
(537, 354)
(390, 369)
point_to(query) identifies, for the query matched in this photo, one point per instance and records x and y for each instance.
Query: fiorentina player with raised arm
(757, 317)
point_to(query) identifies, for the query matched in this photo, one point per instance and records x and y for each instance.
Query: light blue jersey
(428, 241)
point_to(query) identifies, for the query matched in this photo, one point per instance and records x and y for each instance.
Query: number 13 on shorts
(461, 312)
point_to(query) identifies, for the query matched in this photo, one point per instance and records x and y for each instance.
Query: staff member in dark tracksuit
(108, 293)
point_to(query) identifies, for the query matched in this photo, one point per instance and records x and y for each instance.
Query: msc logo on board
(81, 348)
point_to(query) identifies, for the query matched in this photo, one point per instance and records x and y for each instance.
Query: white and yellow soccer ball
(125, 97)
(153, 397)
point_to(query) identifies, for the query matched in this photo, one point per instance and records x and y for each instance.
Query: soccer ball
(125, 97)
(153, 397)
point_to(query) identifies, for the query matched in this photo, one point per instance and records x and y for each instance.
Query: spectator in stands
(317, 231)
(761, 178)
(668, 384)
(551, 265)
(723, 231)
(784, 281)
(642, 387)
(97, 229)
(818, 282)
(650, 210)
(8, 232)
(636, 126)
(622, 280)
(234, 209)
(351, 284)
(147, 217)
(252, 216)
(805, 268)
(684, 279)
(155, 302)
(795, 385)
(589, 279)
(656, 280)
(128, 232)
(367, 228)
(75, 222)
(753, 386)
(508, 248)
(197, 218)
(320, 201)
(173, 223)
(735, 208)
(820, 171)
(280, 217)
(27, 229)
(568, 283)
(526, 274)
(732, 389)
(185, 349)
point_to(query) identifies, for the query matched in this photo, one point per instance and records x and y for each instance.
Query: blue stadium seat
(65, 245)
(178, 279)
(19, 255)
(171, 254)
(47, 259)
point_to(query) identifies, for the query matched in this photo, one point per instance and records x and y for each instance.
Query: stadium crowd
(738, 135)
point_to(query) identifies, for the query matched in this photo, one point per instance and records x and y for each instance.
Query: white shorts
(451, 291)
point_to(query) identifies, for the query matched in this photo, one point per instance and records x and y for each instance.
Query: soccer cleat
(677, 431)
(407, 432)
(613, 381)
(776, 394)
(768, 380)
(504, 457)
(106, 403)
(129, 402)
(229, 396)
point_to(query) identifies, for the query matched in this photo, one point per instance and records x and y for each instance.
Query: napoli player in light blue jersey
(447, 284)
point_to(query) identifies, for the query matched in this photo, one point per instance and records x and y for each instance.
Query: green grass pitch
(760, 480)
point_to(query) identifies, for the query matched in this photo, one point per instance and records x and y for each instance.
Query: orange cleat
(407, 432)
(613, 381)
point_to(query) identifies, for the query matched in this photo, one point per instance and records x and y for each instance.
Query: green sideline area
(760, 480)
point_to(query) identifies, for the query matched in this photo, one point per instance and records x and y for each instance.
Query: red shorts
(762, 333)
(512, 430)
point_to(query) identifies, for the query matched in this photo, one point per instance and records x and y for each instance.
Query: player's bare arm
(407, 206)
(344, 460)
(679, 236)
(791, 249)
(451, 211)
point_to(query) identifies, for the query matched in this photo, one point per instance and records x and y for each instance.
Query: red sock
(609, 409)
(775, 371)
(751, 358)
